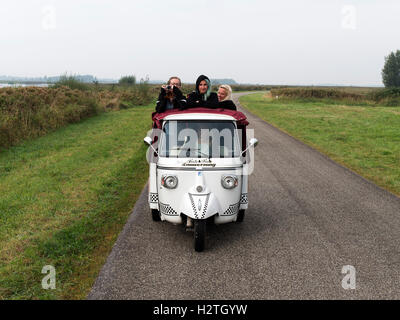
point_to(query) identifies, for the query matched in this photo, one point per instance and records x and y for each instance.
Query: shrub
(71, 82)
(127, 81)
(385, 94)
(388, 97)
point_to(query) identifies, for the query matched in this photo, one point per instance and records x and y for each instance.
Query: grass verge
(64, 199)
(365, 139)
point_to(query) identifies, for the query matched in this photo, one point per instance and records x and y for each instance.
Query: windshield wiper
(202, 153)
(188, 149)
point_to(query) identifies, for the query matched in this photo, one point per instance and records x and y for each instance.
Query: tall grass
(30, 112)
(388, 97)
(315, 93)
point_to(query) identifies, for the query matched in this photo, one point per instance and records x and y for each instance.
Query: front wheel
(199, 235)
(240, 216)
(155, 214)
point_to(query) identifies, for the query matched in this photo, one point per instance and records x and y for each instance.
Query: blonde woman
(225, 97)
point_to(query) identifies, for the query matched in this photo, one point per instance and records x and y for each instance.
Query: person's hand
(165, 87)
(177, 92)
(175, 89)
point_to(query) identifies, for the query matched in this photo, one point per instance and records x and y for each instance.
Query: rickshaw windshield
(200, 139)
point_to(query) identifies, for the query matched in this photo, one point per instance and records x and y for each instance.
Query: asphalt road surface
(308, 217)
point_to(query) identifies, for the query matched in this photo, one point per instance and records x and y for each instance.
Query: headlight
(229, 182)
(169, 182)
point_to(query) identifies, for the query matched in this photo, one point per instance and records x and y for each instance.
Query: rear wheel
(199, 235)
(155, 214)
(240, 216)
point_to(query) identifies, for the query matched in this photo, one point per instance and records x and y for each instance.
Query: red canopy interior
(241, 119)
(239, 116)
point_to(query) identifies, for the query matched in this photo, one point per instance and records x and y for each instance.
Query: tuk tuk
(198, 166)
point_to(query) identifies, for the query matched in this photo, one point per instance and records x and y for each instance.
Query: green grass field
(365, 139)
(64, 198)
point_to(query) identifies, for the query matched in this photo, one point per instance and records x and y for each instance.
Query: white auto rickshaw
(199, 165)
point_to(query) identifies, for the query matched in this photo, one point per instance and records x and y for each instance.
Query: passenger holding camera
(203, 97)
(171, 96)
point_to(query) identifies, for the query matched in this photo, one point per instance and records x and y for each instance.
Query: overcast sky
(252, 41)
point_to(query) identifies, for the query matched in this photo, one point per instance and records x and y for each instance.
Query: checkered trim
(167, 210)
(244, 199)
(193, 206)
(205, 206)
(232, 210)
(153, 198)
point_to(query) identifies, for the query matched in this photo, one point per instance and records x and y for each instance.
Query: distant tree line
(223, 81)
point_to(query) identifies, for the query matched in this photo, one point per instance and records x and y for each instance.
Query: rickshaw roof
(200, 114)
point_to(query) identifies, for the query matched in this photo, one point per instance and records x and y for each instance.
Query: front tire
(199, 235)
(155, 214)
(240, 216)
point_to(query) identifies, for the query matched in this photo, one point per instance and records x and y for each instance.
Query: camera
(169, 87)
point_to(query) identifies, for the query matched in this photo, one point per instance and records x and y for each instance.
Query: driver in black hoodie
(202, 97)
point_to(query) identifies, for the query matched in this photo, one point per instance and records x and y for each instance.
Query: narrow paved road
(308, 217)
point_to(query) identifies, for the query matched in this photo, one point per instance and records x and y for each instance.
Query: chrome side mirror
(252, 143)
(149, 142)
